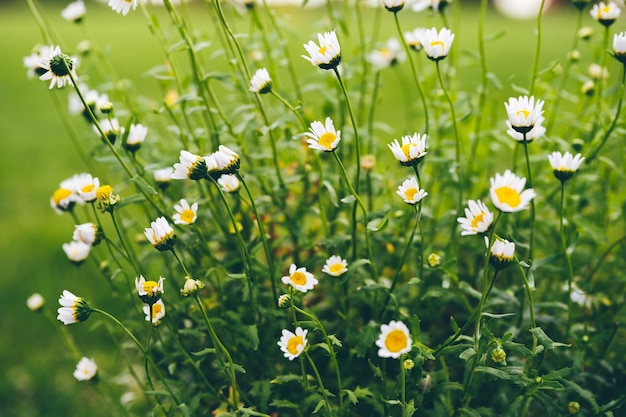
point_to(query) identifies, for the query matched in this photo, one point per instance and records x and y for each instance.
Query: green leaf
(284, 404)
(203, 352)
(334, 340)
(184, 410)
(351, 396)
(285, 379)
(544, 340)
(319, 406)
(348, 199)
(377, 225)
(332, 194)
(377, 371)
(467, 354)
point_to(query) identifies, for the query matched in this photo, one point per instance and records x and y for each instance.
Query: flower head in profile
(326, 55)
(437, 44)
(65, 198)
(163, 177)
(387, 56)
(580, 297)
(35, 302)
(335, 266)
(500, 253)
(414, 38)
(323, 137)
(619, 47)
(436, 5)
(149, 291)
(88, 233)
(261, 82)
(293, 344)
(508, 194)
(412, 150)
(123, 6)
(223, 161)
(106, 199)
(86, 369)
(111, 129)
(34, 61)
(394, 340)
(185, 213)
(58, 68)
(136, 136)
(477, 218)
(525, 118)
(229, 183)
(76, 251)
(564, 166)
(86, 186)
(410, 191)
(300, 279)
(191, 286)
(394, 5)
(158, 312)
(191, 167)
(606, 14)
(160, 234)
(74, 12)
(73, 309)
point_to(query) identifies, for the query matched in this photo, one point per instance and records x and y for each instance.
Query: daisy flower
(619, 47)
(86, 186)
(564, 166)
(293, 344)
(387, 56)
(394, 5)
(76, 251)
(160, 234)
(33, 61)
(437, 5)
(524, 117)
(412, 150)
(191, 287)
(224, 161)
(63, 199)
(158, 312)
(410, 191)
(74, 12)
(87, 233)
(110, 127)
(327, 55)
(229, 183)
(123, 6)
(477, 218)
(506, 192)
(414, 38)
(185, 214)
(85, 369)
(501, 252)
(136, 135)
(394, 340)
(190, 167)
(58, 68)
(323, 137)
(73, 309)
(606, 14)
(163, 176)
(35, 302)
(437, 44)
(335, 266)
(149, 291)
(261, 82)
(300, 279)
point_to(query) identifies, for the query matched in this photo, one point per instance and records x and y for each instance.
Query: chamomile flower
(149, 291)
(261, 82)
(500, 253)
(163, 177)
(190, 167)
(299, 279)
(410, 191)
(74, 12)
(223, 161)
(525, 117)
(160, 234)
(477, 218)
(86, 186)
(110, 127)
(158, 312)
(606, 14)
(414, 38)
(35, 302)
(34, 60)
(323, 137)
(76, 251)
(394, 5)
(106, 199)
(59, 68)
(73, 309)
(326, 55)
(123, 6)
(437, 5)
(136, 135)
(229, 183)
(88, 233)
(619, 47)
(412, 150)
(293, 344)
(394, 340)
(508, 194)
(437, 44)
(191, 287)
(185, 213)
(564, 166)
(86, 369)
(387, 56)
(335, 266)
(64, 199)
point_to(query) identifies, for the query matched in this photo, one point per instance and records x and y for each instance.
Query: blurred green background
(37, 154)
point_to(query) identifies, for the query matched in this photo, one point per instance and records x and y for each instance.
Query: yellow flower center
(322, 50)
(104, 192)
(508, 196)
(385, 52)
(298, 278)
(410, 193)
(603, 10)
(156, 310)
(187, 216)
(524, 112)
(396, 340)
(60, 195)
(87, 188)
(477, 219)
(336, 268)
(438, 43)
(406, 149)
(293, 343)
(86, 372)
(327, 139)
(151, 287)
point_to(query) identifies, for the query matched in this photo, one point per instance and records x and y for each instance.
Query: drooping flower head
(293, 344)
(88, 233)
(619, 47)
(136, 136)
(477, 218)
(410, 191)
(59, 68)
(389, 55)
(436, 5)
(86, 369)
(158, 312)
(111, 129)
(191, 167)
(525, 118)
(323, 137)
(500, 253)
(73, 309)
(123, 6)
(508, 194)
(564, 166)
(76, 251)
(160, 234)
(300, 279)
(394, 5)
(412, 150)
(185, 213)
(149, 291)
(65, 197)
(606, 14)
(229, 183)
(74, 12)
(394, 340)
(261, 82)
(33, 61)
(437, 44)
(327, 55)
(335, 266)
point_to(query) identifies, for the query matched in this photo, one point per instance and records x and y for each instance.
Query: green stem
(568, 259)
(329, 410)
(537, 50)
(129, 255)
(403, 386)
(291, 108)
(482, 95)
(270, 132)
(532, 202)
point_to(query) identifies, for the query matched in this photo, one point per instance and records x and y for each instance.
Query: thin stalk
(568, 259)
(537, 50)
(482, 94)
(270, 132)
(130, 256)
(532, 202)
(290, 107)
(605, 45)
(329, 410)
(403, 386)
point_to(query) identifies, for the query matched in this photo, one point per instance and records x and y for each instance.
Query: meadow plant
(308, 261)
